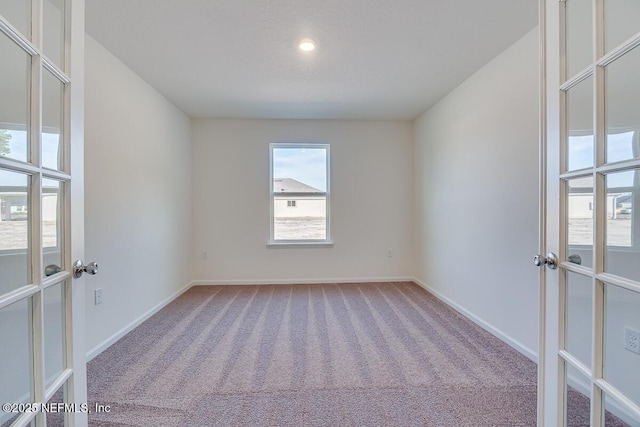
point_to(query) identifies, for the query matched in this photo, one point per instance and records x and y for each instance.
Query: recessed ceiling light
(306, 45)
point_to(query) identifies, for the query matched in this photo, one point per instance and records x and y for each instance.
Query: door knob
(79, 268)
(551, 260)
(51, 269)
(575, 258)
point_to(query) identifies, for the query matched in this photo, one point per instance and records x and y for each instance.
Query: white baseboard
(532, 355)
(302, 281)
(131, 326)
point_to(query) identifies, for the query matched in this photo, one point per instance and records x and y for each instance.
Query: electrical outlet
(632, 339)
(205, 255)
(97, 294)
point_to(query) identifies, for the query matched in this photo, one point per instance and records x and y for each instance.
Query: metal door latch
(79, 268)
(551, 260)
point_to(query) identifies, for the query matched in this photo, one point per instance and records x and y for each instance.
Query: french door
(42, 364)
(591, 300)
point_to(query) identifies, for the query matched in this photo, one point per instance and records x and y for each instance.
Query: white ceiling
(376, 59)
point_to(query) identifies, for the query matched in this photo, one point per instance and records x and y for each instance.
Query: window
(622, 227)
(299, 179)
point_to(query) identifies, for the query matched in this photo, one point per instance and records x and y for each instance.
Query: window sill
(291, 245)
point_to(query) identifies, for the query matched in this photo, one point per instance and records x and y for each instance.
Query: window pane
(18, 13)
(615, 415)
(580, 204)
(622, 91)
(14, 106)
(56, 418)
(579, 317)
(622, 322)
(15, 270)
(576, 397)
(54, 337)
(580, 126)
(52, 225)
(579, 35)
(299, 193)
(621, 19)
(306, 165)
(619, 208)
(15, 370)
(54, 31)
(51, 121)
(309, 222)
(623, 189)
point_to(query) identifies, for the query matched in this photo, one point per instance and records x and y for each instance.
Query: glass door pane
(54, 332)
(14, 107)
(622, 91)
(622, 349)
(15, 354)
(615, 415)
(580, 203)
(576, 397)
(57, 418)
(15, 265)
(52, 226)
(52, 120)
(580, 126)
(579, 36)
(579, 317)
(622, 226)
(621, 18)
(18, 14)
(54, 31)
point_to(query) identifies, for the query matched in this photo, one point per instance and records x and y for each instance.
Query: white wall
(371, 200)
(138, 195)
(476, 189)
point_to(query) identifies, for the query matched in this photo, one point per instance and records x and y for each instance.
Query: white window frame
(327, 242)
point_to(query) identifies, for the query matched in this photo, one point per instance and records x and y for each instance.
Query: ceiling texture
(375, 59)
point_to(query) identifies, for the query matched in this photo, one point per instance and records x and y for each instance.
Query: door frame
(548, 362)
(542, 212)
(76, 302)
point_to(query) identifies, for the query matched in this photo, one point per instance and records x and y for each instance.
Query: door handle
(551, 260)
(575, 258)
(79, 268)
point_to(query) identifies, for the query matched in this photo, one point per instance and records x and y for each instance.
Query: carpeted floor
(315, 355)
(354, 354)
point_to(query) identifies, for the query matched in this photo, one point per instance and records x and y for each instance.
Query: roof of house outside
(625, 199)
(290, 185)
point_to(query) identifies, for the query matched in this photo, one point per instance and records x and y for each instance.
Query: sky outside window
(17, 145)
(619, 147)
(307, 165)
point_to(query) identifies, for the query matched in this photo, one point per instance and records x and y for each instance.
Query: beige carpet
(318, 355)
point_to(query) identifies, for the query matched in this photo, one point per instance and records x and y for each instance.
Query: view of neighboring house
(581, 196)
(13, 203)
(294, 199)
(14, 210)
(580, 214)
